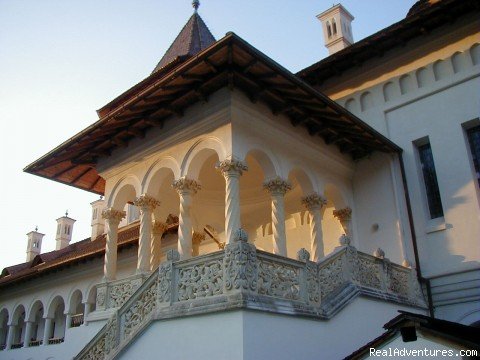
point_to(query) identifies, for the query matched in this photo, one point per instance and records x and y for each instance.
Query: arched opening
(256, 208)
(351, 105)
(18, 323)
(406, 84)
(3, 328)
(208, 205)
(91, 303)
(76, 309)
(56, 314)
(332, 228)
(334, 27)
(423, 78)
(297, 219)
(329, 30)
(458, 62)
(38, 324)
(366, 101)
(475, 54)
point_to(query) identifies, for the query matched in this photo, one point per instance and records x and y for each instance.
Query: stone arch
(199, 153)
(18, 319)
(36, 316)
(406, 84)
(440, 69)
(351, 105)
(335, 195)
(91, 297)
(158, 172)
(304, 178)
(366, 101)
(475, 53)
(126, 189)
(389, 91)
(267, 161)
(75, 302)
(4, 318)
(422, 76)
(458, 62)
(56, 312)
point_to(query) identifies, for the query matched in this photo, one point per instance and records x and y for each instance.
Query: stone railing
(242, 277)
(114, 294)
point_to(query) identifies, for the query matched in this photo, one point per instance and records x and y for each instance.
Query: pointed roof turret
(194, 37)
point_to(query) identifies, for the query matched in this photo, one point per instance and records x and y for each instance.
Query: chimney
(98, 223)
(34, 244)
(337, 29)
(64, 231)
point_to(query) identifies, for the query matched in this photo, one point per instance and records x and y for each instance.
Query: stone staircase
(242, 277)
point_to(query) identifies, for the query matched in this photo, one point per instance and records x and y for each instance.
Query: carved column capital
(185, 184)
(146, 202)
(344, 214)
(198, 237)
(231, 166)
(277, 186)
(314, 201)
(113, 215)
(159, 227)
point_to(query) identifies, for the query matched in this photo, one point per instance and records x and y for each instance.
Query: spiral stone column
(146, 204)
(186, 188)
(113, 218)
(158, 229)
(232, 170)
(314, 204)
(278, 187)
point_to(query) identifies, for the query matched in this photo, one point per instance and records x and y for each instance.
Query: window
(334, 25)
(430, 180)
(329, 30)
(473, 135)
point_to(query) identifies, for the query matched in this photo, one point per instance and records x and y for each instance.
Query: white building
(219, 137)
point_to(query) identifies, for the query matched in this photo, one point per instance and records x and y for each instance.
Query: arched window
(329, 30)
(334, 25)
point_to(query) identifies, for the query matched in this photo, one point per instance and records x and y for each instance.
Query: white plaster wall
(256, 335)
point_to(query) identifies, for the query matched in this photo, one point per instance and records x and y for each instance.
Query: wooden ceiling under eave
(230, 62)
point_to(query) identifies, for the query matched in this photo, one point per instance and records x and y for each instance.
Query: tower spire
(195, 4)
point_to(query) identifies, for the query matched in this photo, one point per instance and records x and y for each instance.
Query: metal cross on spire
(195, 4)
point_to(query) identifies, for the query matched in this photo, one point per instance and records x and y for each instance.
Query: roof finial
(36, 228)
(195, 4)
(66, 213)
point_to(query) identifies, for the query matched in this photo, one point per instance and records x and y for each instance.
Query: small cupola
(64, 231)
(34, 244)
(98, 222)
(337, 28)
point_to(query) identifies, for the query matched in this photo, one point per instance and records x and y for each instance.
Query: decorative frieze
(200, 281)
(185, 184)
(146, 202)
(314, 201)
(113, 215)
(277, 186)
(231, 166)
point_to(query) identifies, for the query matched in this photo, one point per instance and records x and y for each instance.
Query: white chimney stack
(98, 223)
(337, 28)
(64, 231)
(34, 244)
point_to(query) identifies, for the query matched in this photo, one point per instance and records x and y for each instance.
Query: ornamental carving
(101, 297)
(303, 255)
(366, 272)
(140, 310)
(277, 186)
(379, 253)
(240, 263)
(97, 352)
(164, 282)
(185, 184)
(111, 334)
(232, 166)
(200, 281)
(331, 277)
(313, 288)
(399, 282)
(314, 201)
(198, 237)
(278, 280)
(114, 215)
(343, 214)
(146, 202)
(119, 293)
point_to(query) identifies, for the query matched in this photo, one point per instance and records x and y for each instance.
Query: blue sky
(60, 60)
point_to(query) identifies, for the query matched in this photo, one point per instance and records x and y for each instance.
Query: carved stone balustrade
(113, 294)
(240, 276)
